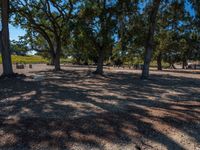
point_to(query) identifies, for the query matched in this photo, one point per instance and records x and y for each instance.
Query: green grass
(27, 59)
(154, 64)
(39, 59)
(66, 60)
(34, 59)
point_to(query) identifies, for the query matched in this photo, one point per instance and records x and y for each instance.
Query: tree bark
(99, 69)
(159, 61)
(4, 37)
(184, 63)
(52, 61)
(57, 62)
(57, 57)
(149, 41)
(53, 57)
(172, 66)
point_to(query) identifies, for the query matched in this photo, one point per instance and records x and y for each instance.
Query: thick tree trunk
(159, 61)
(57, 57)
(99, 69)
(149, 41)
(57, 62)
(4, 37)
(53, 57)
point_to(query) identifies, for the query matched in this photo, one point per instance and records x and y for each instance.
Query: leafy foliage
(84, 30)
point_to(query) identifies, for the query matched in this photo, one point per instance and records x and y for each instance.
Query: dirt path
(73, 109)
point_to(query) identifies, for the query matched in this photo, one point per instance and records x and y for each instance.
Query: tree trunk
(149, 41)
(172, 66)
(52, 61)
(159, 61)
(57, 57)
(57, 62)
(53, 57)
(99, 69)
(4, 37)
(184, 64)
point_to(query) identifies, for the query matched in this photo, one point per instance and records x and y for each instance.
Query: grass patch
(154, 64)
(66, 60)
(26, 59)
(38, 59)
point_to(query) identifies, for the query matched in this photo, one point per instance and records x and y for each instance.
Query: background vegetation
(156, 33)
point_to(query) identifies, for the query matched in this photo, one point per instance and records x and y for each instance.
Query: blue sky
(15, 32)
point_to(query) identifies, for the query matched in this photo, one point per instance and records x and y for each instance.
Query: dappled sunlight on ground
(74, 109)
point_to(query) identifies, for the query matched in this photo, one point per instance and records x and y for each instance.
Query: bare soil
(74, 109)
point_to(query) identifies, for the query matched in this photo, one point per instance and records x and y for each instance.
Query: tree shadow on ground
(188, 71)
(80, 110)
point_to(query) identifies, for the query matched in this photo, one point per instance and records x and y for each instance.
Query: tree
(19, 47)
(173, 34)
(130, 29)
(4, 40)
(51, 19)
(99, 22)
(35, 42)
(79, 48)
(149, 41)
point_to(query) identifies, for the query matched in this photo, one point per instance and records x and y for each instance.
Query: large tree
(4, 39)
(99, 20)
(150, 36)
(51, 19)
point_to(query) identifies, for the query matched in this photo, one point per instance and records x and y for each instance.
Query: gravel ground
(74, 109)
